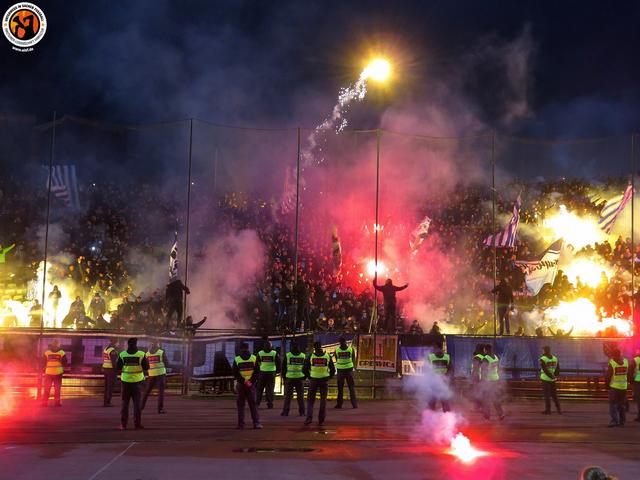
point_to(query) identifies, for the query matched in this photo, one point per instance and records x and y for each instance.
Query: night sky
(540, 68)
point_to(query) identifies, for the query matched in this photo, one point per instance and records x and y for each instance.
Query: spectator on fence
(389, 291)
(504, 300)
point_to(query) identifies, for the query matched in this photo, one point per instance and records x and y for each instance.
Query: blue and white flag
(64, 184)
(541, 270)
(173, 260)
(613, 208)
(507, 237)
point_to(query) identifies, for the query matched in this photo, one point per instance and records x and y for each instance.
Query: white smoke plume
(224, 277)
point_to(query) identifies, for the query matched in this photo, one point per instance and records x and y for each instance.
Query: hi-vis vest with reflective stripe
(267, 361)
(344, 358)
(246, 366)
(480, 358)
(551, 364)
(319, 366)
(156, 365)
(492, 375)
(295, 363)
(439, 364)
(132, 367)
(106, 357)
(636, 377)
(54, 362)
(619, 377)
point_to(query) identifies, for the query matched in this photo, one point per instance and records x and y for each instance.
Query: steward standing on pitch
(294, 379)
(441, 365)
(245, 370)
(131, 363)
(319, 368)
(490, 377)
(157, 374)
(109, 361)
(344, 364)
(549, 371)
(55, 361)
(616, 381)
(269, 363)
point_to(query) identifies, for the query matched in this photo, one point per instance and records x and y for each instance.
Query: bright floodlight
(379, 70)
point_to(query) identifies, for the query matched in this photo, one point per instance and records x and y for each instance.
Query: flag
(64, 184)
(613, 208)
(419, 234)
(337, 251)
(173, 260)
(507, 237)
(541, 270)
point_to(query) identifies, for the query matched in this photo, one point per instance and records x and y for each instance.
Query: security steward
(549, 372)
(344, 364)
(246, 371)
(54, 363)
(490, 383)
(131, 363)
(616, 381)
(293, 379)
(269, 363)
(441, 365)
(157, 374)
(635, 376)
(476, 365)
(319, 368)
(109, 361)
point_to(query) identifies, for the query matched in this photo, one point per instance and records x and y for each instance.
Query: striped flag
(173, 260)
(613, 208)
(64, 184)
(507, 237)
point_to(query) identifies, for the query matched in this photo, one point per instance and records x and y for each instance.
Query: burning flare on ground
(581, 317)
(576, 231)
(462, 449)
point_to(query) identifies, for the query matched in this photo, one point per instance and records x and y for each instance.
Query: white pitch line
(95, 475)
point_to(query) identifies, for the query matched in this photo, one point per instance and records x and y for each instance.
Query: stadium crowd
(95, 249)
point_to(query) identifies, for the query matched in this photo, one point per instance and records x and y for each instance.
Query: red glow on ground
(462, 449)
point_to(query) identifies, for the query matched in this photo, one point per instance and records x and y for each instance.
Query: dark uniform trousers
(291, 384)
(131, 391)
(159, 381)
(492, 395)
(315, 385)
(248, 395)
(550, 393)
(346, 374)
(617, 401)
(636, 397)
(266, 383)
(56, 381)
(110, 377)
(446, 407)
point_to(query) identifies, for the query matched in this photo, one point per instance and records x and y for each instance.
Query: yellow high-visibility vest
(246, 366)
(267, 360)
(156, 365)
(551, 364)
(319, 367)
(132, 367)
(54, 362)
(439, 364)
(493, 375)
(620, 372)
(344, 358)
(106, 357)
(295, 363)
